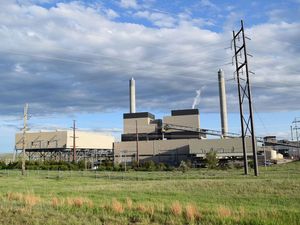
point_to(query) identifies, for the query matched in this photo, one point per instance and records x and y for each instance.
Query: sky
(71, 60)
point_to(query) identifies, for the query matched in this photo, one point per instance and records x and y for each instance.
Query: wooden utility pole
(24, 138)
(74, 141)
(137, 143)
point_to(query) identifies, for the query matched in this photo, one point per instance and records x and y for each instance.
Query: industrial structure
(59, 145)
(283, 148)
(176, 137)
(223, 103)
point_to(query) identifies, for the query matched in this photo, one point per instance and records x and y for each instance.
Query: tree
(183, 167)
(211, 159)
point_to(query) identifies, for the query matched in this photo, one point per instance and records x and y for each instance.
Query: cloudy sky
(73, 59)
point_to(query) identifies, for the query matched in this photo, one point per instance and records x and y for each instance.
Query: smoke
(197, 98)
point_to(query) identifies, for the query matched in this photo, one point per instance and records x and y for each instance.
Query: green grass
(212, 197)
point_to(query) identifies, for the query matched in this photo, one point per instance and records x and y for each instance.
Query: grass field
(196, 197)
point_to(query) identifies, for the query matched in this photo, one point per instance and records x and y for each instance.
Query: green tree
(211, 160)
(183, 167)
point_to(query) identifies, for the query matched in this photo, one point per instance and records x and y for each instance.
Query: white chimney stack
(223, 103)
(132, 95)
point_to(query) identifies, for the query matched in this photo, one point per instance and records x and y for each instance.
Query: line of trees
(211, 162)
(47, 165)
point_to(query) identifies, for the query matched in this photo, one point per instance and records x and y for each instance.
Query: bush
(211, 160)
(170, 168)
(183, 167)
(2, 165)
(149, 165)
(161, 166)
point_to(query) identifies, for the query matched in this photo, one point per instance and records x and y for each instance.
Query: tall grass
(176, 208)
(28, 199)
(117, 206)
(191, 212)
(218, 197)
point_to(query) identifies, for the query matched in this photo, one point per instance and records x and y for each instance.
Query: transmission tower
(244, 92)
(25, 117)
(296, 127)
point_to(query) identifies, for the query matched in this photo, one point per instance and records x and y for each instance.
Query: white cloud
(158, 19)
(208, 4)
(77, 59)
(111, 14)
(129, 4)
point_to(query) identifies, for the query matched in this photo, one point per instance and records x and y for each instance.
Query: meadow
(199, 196)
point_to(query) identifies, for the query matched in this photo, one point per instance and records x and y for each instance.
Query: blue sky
(73, 59)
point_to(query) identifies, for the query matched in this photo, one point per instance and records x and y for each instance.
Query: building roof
(138, 115)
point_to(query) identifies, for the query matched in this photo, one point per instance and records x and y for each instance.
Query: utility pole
(244, 92)
(137, 143)
(74, 140)
(25, 117)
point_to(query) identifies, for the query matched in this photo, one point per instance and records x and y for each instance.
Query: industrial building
(59, 145)
(176, 137)
(283, 148)
(170, 140)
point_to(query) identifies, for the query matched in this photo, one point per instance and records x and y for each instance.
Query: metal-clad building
(58, 145)
(177, 137)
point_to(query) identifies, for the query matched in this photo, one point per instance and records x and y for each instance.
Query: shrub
(183, 167)
(161, 166)
(170, 168)
(149, 165)
(2, 165)
(211, 160)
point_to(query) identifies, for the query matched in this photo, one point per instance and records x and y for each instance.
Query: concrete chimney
(132, 95)
(223, 103)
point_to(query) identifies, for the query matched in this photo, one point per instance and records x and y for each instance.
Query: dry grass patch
(149, 209)
(141, 207)
(176, 208)
(79, 202)
(224, 212)
(160, 207)
(28, 199)
(117, 206)
(242, 212)
(31, 200)
(191, 212)
(55, 202)
(11, 196)
(129, 203)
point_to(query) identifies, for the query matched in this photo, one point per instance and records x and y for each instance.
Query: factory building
(176, 137)
(288, 149)
(171, 142)
(58, 145)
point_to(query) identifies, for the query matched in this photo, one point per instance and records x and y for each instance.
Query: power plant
(171, 139)
(176, 137)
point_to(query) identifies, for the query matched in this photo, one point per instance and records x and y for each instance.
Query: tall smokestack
(132, 95)
(223, 104)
